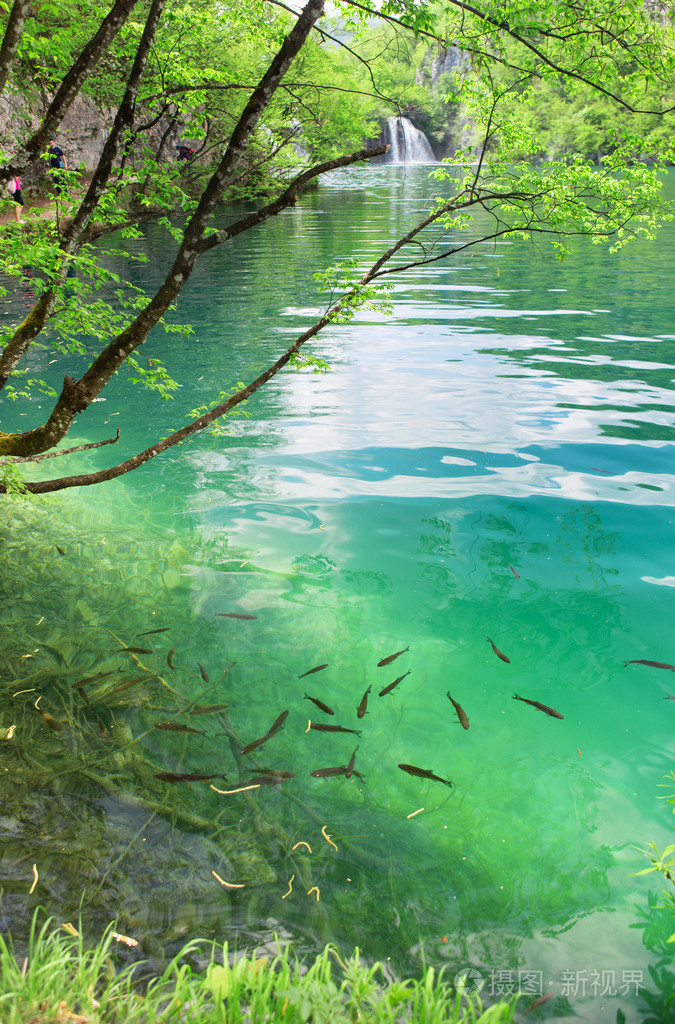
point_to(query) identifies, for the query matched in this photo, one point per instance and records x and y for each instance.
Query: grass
(61, 981)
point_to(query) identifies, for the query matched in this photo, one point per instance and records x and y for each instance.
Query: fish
(391, 686)
(323, 727)
(149, 632)
(93, 679)
(169, 657)
(103, 731)
(175, 777)
(670, 696)
(136, 650)
(280, 772)
(392, 657)
(651, 664)
(278, 724)
(131, 682)
(177, 727)
(361, 710)
(236, 615)
(499, 653)
(208, 709)
(320, 704)
(61, 551)
(329, 773)
(463, 720)
(204, 674)
(48, 720)
(311, 671)
(271, 778)
(424, 773)
(254, 745)
(350, 765)
(517, 575)
(544, 999)
(542, 707)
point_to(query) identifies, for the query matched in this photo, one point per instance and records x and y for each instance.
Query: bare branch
(61, 451)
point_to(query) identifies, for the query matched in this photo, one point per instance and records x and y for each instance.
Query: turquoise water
(495, 460)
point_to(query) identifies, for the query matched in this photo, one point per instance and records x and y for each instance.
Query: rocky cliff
(81, 136)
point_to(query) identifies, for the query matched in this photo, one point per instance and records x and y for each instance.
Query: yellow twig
(290, 887)
(228, 885)
(327, 837)
(242, 789)
(418, 811)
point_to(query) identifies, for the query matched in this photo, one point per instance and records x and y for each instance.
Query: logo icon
(469, 981)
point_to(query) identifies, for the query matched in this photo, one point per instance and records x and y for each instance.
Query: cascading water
(408, 144)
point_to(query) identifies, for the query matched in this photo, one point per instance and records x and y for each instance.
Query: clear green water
(512, 413)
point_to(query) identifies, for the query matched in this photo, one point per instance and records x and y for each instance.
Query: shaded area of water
(495, 460)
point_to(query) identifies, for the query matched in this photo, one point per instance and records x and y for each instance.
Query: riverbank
(64, 981)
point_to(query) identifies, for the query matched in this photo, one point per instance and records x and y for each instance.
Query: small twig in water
(228, 885)
(290, 887)
(327, 837)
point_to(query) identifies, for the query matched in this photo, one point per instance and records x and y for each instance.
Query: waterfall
(408, 144)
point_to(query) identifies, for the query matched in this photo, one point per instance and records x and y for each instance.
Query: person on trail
(185, 152)
(14, 189)
(57, 164)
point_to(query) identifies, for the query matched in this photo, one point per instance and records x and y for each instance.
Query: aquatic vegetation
(63, 978)
(657, 921)
(90, 794)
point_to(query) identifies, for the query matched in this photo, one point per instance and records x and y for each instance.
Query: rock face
(439, 61)
(81, 136)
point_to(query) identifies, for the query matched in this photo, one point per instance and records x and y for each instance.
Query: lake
(487, 471)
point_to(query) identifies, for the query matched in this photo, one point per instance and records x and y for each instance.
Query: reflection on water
(493, 461)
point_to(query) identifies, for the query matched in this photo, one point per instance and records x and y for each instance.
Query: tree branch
(467, 199)
(36, 319)
(505, 27)
(12, 38)
(71, 85)
(288, 196)
(76, 396)
(61, 451)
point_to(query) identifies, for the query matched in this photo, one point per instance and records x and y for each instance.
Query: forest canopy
(565, 109)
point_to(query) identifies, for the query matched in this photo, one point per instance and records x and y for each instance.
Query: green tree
(247, 83)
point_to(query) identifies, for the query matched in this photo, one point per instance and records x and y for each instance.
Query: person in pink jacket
(14, 188)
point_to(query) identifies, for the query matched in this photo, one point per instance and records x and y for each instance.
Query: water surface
(494, 460)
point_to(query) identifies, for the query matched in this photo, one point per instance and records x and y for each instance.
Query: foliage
(663, 861)
(270, 102)
(63, 979)
(344, 280)
(218, 428)
(657, 921)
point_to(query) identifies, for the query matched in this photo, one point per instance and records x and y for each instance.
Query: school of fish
(277, 776)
